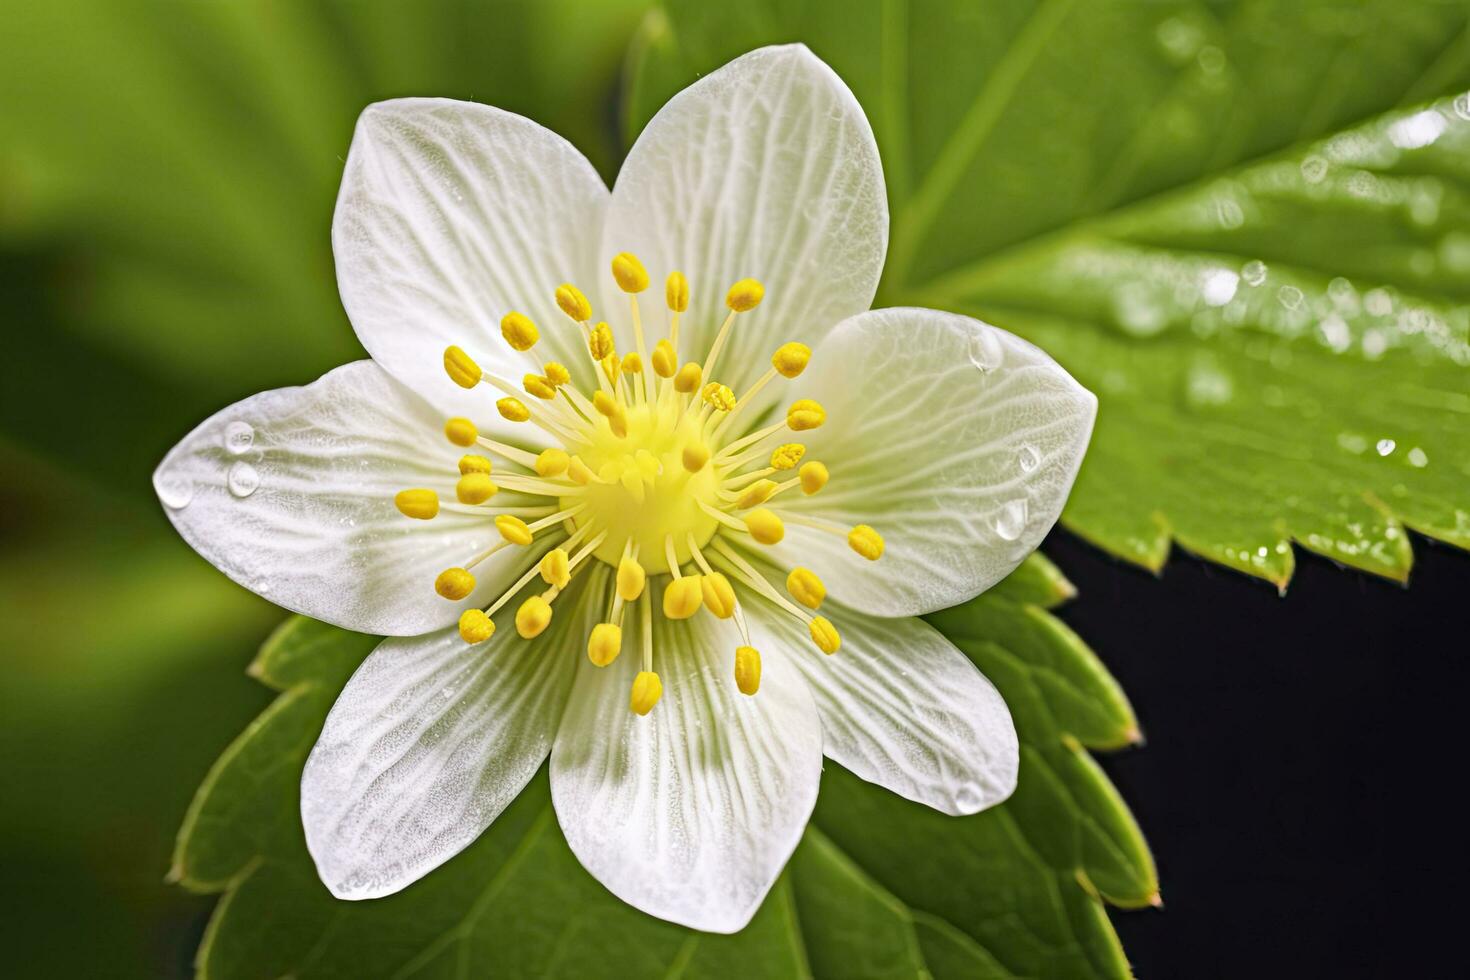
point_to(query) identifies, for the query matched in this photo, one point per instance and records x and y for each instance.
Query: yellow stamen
(757, 493)
(806, 588)
(461, 368)
(687, 378)
(556, 568)
(533, 617)
(719, 594)
(513, 409)
(519, 331)
(600, 342)
(683, 597)
(765, 526)
(513, 529)
(420, 504)
(629, 273)
(747, 670)
(676, 292)
(632, 364)
(461, 431)
(718, 396)
(557, 374)
(647, 689)
(475, 488)
(579, 471)
(475, 626)
(573, 302)
(631, 579)
(605, 643)
(805, 414)
(866, 542)
(474, 463)
(814, 476)
(539, 387)
(786, 457)
(454, 583)
(825, 635)
(695, 455)
(665, 363)
(745, 295)
(791, 359)
(552, 462)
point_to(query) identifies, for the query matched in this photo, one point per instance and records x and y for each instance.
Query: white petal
(902, 707)
(766, 169)
(430, 741)
(451, 215)
(956, 441)
(290, 493)
(688, 813)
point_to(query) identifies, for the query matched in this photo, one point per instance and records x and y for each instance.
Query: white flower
(950, 447)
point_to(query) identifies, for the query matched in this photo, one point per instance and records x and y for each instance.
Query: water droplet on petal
(1253, 272)
(1028, 458)
(986, 352)
(175, 490)
(1385, 446)
(1010, 520)
(243, 479)
(968, 797)
(238, 438)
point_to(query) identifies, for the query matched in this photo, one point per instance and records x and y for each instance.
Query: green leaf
(1245, 225)
(880, 887)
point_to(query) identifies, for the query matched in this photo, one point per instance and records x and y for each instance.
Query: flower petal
(451, 215)
(290, 493)
(956, 441)
(902, 707)
(688, 813)
(766, 168)
(430, 741)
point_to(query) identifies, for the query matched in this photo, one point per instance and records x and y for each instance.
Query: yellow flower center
(651, 478)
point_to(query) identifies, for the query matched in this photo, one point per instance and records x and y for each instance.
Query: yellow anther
(600, 341)
(676, 292)
(475, 488)
(461, 368)
(556, 568)
(695, 455)
(475, 626)
(805, 414)
(665, 363)
(718, 395)
(866, 542)
(825, 635)
(814, 476)
(513, 409)
(631, 579)
(790, 359)
(579, 471)
(513, 529)
(611, 366)
(519, 331)
(745, 295)
(604, 403)
(747, 670)
(765, 526)
(629, 272)
(533, 617)
(632, 364)
(688, 377)
(806, 588)
(757, 493)
(419, 504)
(471, 463)
(557, 374)
(618, 422)
(454, 583)
(552, 462)
(647, 689)
(786, 457)
(573, 302)
(539, 386)
(719, 595)
(461, 432)
(605, 643)
(683, 597)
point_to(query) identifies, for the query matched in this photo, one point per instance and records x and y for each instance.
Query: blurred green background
(167, 176)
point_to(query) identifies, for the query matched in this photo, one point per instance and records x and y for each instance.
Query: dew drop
(1461, 105)
(1418, 458)
(1352, 442)
(968, 798)
(1218, 286)
(1378, 302)
(1290, 297)
(243, 479)
(174, 490)
(1137, 311)
(1314, 168)
(1010, 520)
(1178, 38)
(1028, 458)
(1385, 446)
(986, 352)
(1335, 334)
(238, 438)
(1253, 272)
(1420, 129)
